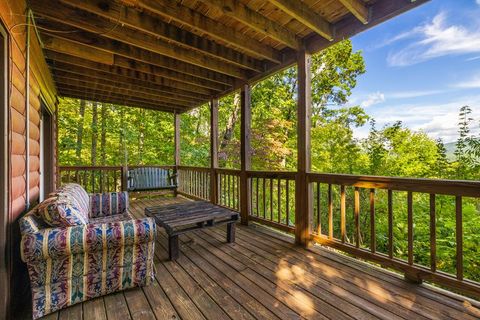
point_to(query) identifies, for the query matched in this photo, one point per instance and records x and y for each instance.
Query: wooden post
(213, 150)
(176, 139)
(245, 153)
(303, 191)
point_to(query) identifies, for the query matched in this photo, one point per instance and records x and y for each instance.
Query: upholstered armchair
(79, 246)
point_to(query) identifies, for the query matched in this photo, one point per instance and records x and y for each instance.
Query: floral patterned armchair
(79, 246)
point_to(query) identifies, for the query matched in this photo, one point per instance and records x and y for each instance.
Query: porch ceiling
(176, 55)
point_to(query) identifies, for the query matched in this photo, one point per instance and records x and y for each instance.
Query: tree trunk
(141, 136)
(94, 133)
(103, 141)
(79, 145)
(228, 132)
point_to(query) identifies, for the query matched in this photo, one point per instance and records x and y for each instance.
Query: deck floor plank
(328, 293)
(318, 273)
(116, 306)
(265, 276)
(94, 310)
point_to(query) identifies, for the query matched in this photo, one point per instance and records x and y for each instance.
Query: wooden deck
(264, 276)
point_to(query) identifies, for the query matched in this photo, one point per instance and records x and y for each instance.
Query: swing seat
(151, 178)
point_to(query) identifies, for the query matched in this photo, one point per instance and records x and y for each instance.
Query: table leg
(173, 250)
(231, 232)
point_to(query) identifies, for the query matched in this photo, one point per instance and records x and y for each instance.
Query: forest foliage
(105, 134)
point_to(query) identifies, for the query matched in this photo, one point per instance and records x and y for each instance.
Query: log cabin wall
(41, 93)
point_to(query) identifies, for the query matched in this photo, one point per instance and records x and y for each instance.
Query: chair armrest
(61, 242)
(107, 204)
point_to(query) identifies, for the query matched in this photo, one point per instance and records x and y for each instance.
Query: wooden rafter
(240, 12)
(102, 28)
(119, 96)
(357, 8)
(131, 90)
(184, 15)
(92, 96)
(148, 24)
(305, 15)
(152, 82)
(71, 48)
(61, 43)
(137, 71)
(107, 90)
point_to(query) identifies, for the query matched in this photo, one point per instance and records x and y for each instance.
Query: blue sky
(422, 67)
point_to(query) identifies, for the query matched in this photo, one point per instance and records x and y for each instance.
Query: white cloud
(472, 83)
(372, 99)
(435, 39)
(438, 121)
(412, 94)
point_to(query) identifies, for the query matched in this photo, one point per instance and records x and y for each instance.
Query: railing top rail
(446, 187)
(193, 168)
(235, 172)
(272, 174)
(90, 167)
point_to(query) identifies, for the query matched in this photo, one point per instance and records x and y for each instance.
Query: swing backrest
(150, 178)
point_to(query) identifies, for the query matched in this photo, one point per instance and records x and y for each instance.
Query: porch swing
(149, 178)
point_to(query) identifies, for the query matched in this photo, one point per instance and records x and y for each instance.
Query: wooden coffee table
(188, 216)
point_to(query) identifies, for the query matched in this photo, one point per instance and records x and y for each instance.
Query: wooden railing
(272, 199)
(228, 188)
(410, 211)
(194, 182)
(389, 221)
(94, 178)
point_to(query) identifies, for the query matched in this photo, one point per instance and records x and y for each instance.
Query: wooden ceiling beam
(184, 15)
(135, 70)
(306, 16)
(155, 80)
(83, 51)
(107, 99)
(240, 12)
(156, 27)
(106, 90)
(119, 80)
(357, 8)
(105, 29)
(90, 94)
(85, 83)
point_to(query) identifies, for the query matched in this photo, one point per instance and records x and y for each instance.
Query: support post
(213, 150)
(176, 139)
(245, 153)
(303, 190)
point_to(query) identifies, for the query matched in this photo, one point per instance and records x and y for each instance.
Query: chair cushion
(61, 211)
(77, 194)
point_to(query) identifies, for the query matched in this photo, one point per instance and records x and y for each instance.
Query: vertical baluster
(279, 196)
(342, 213)
(264, 197)
(238, 192)
(234, 194)
(251, 194)
(373, 245)
(115, 180)
(410, 226)
(390, 224)
(256, 197)
(319, 210)
(85, 179)
(271, 199)
(356, 211)
(330, 212)
(459, 236)
(433, 234)
(287, 204)
(228, 190)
